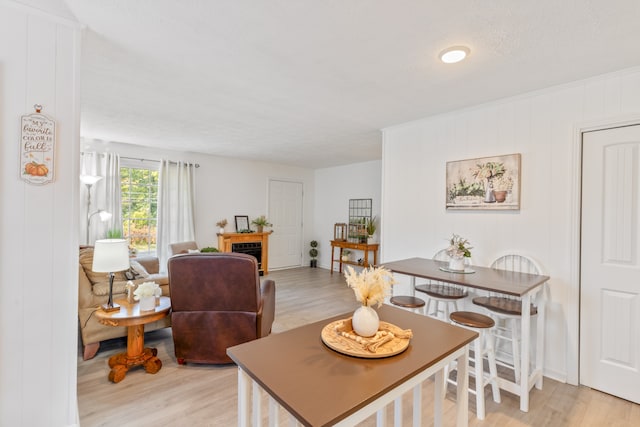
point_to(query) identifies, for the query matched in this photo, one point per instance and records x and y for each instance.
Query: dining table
(524, 286)
(317, 384)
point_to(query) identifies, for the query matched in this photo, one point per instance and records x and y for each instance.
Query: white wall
(39, 56)
(334, 187)
(542, 127)
(225, 187)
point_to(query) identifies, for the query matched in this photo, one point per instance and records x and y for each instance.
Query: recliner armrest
(268, 307)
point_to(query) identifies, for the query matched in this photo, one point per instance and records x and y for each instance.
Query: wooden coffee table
(134, 319)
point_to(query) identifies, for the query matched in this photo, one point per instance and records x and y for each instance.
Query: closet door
(610, 262)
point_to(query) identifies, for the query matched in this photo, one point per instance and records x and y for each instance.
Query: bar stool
(507, 311)
(483, 345)
(406, 301)
(444, 296)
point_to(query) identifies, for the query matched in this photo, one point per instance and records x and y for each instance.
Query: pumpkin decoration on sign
(36, 169)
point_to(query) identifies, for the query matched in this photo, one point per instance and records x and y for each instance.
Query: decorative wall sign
(488, 183)
(37, 148)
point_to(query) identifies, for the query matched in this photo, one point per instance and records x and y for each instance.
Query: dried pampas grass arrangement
(371, 285)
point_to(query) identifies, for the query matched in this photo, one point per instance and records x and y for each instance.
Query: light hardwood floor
(205, 395)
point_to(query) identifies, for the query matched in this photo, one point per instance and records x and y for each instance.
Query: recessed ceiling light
(454, 54)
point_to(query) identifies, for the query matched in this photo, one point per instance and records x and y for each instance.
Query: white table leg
(244, 396)
(412, 282)
(274, 413)
(397, 412)
(381, 417)
(256, 404)
(525, 339)
(438, 398)
(540, 336)
(417, 405)
(462, 391)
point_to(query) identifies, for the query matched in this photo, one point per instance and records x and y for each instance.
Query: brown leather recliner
(217, 302)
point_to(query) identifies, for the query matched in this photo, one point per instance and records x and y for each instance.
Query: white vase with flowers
(371, 286)
(146, 293)
(458, 250)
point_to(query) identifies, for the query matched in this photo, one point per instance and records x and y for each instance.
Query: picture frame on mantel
(242, 223)
(485, 183)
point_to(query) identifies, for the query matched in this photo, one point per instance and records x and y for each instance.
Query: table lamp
(109, 256)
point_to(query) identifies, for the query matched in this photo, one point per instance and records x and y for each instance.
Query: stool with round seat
(443, 296)
(407, 301)
(483, 345)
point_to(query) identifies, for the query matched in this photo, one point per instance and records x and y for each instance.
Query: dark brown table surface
(488, 279)
(320, 386)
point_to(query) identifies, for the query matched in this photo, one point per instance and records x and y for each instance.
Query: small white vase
(456, 263)
(365, 321)
(148, 303)
(221, 230)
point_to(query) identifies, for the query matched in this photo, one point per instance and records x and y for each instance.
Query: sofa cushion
(86, 260)
(138, 270)
(101, 289)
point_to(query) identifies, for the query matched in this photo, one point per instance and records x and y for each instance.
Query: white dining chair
(443, 296)
(507, 311)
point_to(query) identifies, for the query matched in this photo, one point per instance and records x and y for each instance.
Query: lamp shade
(110, 255)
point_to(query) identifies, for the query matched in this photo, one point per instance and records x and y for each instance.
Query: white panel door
(285, 213)
(610, 264)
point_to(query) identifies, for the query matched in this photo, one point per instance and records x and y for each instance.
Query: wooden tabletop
(320, 386)
(488, 279)
(130, 314)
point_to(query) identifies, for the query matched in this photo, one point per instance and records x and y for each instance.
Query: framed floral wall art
(487, 183)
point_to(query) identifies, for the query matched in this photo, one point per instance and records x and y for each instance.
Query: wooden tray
(390, 340)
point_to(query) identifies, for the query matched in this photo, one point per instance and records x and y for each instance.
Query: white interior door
(610, 264)
(285, 213)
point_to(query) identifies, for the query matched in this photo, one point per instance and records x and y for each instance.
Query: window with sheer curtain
(139, 198)
(152, 202)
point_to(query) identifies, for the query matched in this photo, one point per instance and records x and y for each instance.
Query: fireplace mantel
(225, 240)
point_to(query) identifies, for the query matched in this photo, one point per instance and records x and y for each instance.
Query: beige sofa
(93, 291)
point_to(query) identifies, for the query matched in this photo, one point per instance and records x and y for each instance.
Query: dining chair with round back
(443, 296)
(507, 311)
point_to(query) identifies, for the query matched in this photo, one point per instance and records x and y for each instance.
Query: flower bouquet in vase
(458, 250)
(370, 286)
(147, 293)
(222, 224)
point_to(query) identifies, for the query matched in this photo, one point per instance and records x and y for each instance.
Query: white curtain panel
(176, 201)
(105, 195)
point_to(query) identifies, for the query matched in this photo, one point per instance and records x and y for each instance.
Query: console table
(365, 247)
(226, 241)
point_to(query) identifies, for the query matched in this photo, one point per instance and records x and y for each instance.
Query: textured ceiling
(311, 83)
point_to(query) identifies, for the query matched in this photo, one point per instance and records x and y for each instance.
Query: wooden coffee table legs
(136, 355)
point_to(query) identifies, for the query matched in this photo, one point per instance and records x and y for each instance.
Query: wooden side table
(134, 319)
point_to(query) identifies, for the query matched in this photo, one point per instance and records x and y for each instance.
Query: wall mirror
(359, 216)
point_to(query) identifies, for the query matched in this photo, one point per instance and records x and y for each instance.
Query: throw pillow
(193, 251)
(138, 270)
